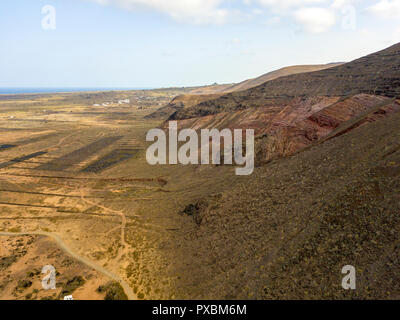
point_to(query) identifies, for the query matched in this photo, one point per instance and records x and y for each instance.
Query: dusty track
(125, 246)
(128, 290)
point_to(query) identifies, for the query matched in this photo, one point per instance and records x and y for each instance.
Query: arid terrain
(77, 193)
(58, 192)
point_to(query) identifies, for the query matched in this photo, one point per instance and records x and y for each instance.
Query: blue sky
(160, 43)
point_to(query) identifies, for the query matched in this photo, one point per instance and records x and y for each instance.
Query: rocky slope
(179, 103)
(287, 71)
(207, 93)
(284, 129)
(287, 231)
(325, 193)
(375, 74)
(292, 113)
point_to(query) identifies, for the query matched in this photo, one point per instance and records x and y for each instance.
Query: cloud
(314, 16)
(282, 5)
(315, 20)
(194, 11)
(386, 9)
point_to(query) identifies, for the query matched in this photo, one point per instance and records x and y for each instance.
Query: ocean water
(55, 90)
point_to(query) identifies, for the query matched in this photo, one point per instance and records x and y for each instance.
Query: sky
(166, 43)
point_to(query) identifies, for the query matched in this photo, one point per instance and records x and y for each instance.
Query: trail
(125, 247)
(119, 213)
(128, 290)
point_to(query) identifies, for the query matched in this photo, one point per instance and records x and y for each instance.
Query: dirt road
(128, 290)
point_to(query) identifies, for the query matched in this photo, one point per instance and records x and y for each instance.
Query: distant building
(124, 101)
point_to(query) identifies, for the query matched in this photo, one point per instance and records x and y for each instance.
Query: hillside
(292, 113)
(251, 83)
(286, 231)
(375, 74)
(284, 129)
(179, 103)
(203, 94)
(325, 192)
(212, 89)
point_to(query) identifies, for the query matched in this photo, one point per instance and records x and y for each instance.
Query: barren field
(74, 182)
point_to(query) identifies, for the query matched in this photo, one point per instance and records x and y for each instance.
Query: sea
(55, 90)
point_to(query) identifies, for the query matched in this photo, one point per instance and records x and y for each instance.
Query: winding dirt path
(128, 290)
(116, 212)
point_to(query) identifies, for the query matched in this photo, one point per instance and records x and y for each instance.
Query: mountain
(325, 193)
(286, 231)
(375, 74)
(206, 93)
(292, 113)
(248, 84)
(179, 103)
(212, 89)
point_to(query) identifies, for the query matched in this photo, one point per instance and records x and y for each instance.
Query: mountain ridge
(376, 74)
(282, 72)
(202, 94)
